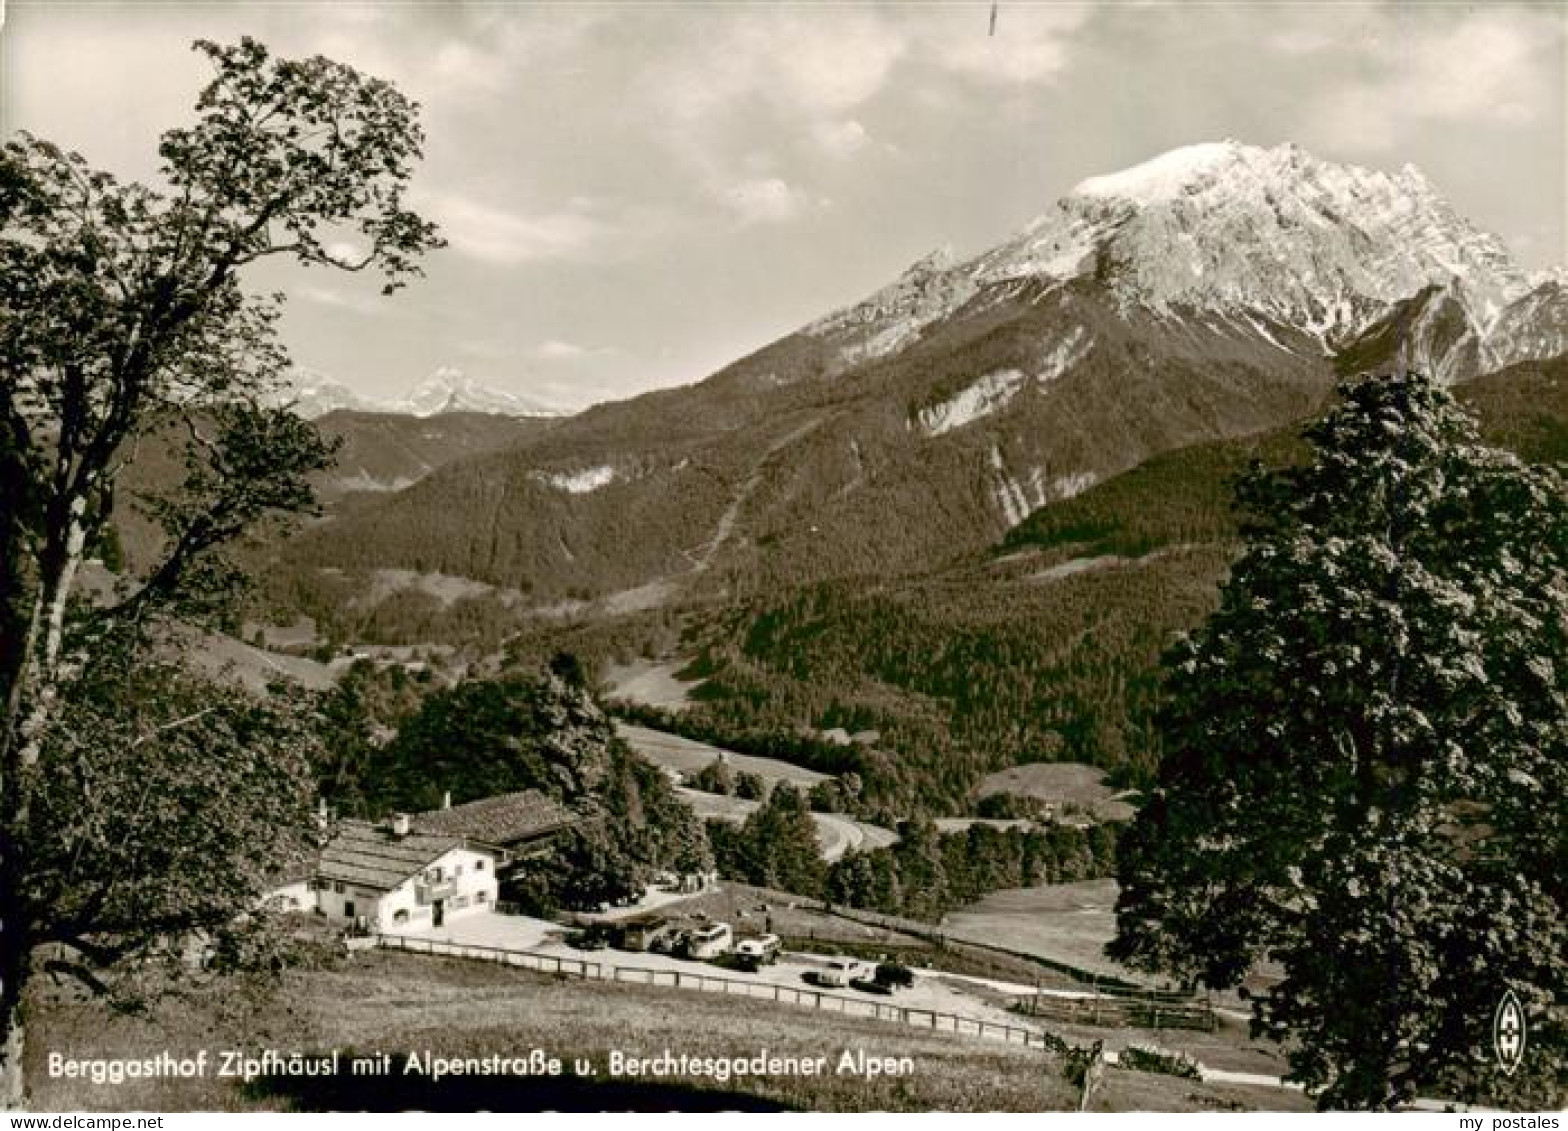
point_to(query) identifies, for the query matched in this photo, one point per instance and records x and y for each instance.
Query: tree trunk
(13, 976)
(29, 661)
(19, 612)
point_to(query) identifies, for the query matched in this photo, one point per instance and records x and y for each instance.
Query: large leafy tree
(542, 731)
(1366, 754)
(123, 318)
(167, 805)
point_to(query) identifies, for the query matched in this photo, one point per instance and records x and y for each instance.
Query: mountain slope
(1043, 649)
(387, 452)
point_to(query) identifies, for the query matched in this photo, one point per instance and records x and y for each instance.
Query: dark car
(871, 986)
(594, 938)
(895, 975)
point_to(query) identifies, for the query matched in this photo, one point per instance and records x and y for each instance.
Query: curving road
(836, 833)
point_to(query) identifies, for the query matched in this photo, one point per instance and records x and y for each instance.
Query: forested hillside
(1044, 650)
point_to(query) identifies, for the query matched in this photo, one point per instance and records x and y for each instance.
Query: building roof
(371, 856)
(500, 820)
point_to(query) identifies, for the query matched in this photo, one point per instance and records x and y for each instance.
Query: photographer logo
(1508, 1032)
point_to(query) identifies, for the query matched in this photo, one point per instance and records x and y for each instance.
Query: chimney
(446, 800)
(400, 824)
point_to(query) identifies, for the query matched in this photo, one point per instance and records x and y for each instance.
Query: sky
(636, 194)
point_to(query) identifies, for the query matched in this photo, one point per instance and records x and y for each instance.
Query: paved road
(932, 990)
(837, 834)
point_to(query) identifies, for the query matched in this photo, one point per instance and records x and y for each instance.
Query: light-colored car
(710, 941)
(840, 972)
(753, 953)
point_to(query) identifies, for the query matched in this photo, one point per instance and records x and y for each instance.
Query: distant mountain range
(446, 390)
(1213, 292)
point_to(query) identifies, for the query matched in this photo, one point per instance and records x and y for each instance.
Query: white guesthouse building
(390, 877)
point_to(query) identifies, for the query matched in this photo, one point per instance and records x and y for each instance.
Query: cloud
(1495, 67)
(808, 64)
(555, 349)
(328, 296)
(1031, 45)
(764, 200)
(793, 74)
(498, 236)
(841, 139)
(828, 66)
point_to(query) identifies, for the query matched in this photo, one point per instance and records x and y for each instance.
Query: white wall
(297, 896)
(472, 872)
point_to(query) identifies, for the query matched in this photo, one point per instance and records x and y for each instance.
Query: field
(1063, 922)
(688, 756)
(649, 682)
(1060, 782)
(224, 657)
(401, 1004)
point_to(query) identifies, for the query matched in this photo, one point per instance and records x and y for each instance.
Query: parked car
(591, 938)
(839, 972)
(871, 986)
(709, 942)
(895, 975)
(654, 933)
(757, 952)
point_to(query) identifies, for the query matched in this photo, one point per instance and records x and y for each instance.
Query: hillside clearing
(1060, 783)
(688, 756)
(650, 683)
(1068, 923)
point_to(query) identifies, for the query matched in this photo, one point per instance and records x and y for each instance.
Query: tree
(482, 737)
(123, 320)
(750, 786)
(777, 845)
(130, 855)
(486, 737)
(1364, 747)
(922, 871)
(715, 777)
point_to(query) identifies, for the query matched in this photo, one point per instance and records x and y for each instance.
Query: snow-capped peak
(445, 390)
(1245, 232)
(1312, 243)
(1161, 178)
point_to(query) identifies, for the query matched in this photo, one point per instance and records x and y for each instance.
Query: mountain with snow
(1214, 292)
(1273, 236)
(451, 390)
(314, 394)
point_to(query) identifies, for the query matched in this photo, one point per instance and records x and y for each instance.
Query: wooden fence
(1107, 1000)
(928, 932)
(1126, 1011)
(595, 970)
